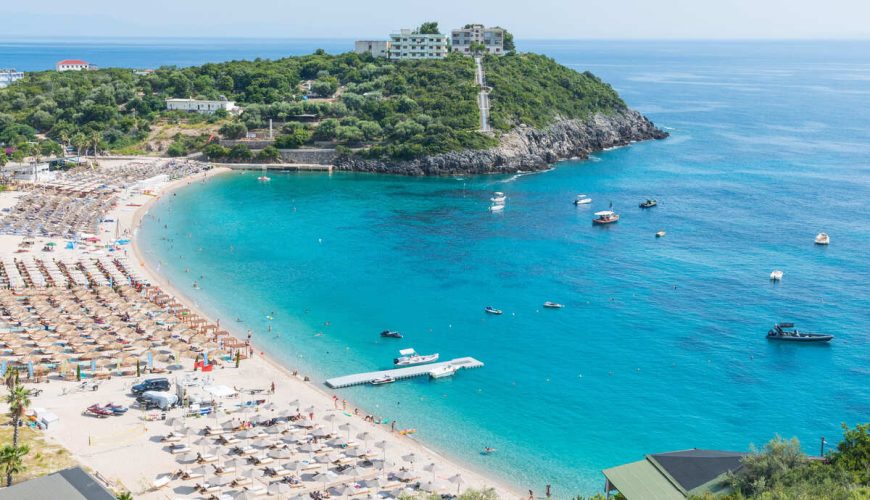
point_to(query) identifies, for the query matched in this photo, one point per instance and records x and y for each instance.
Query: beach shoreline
(475, 478)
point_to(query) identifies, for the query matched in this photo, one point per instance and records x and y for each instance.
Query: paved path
(482, 96)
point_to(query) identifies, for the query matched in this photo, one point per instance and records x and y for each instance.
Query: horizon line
(11, 38)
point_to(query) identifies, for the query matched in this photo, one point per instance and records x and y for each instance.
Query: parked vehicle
(98, 411)
(152, 384)
(157, 399)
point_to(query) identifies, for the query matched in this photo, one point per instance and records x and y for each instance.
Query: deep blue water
(661, 345)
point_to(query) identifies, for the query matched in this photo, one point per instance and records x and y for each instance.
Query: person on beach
(335, 401)
(344, 404)
(273, 387)
(393, 426)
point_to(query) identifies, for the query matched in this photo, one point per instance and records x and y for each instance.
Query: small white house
(9, 76)
(72, 65)
(200, 105)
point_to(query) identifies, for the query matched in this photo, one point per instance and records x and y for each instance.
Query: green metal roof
(642, 481)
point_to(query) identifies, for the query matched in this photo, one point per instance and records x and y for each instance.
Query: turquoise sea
(661, 344)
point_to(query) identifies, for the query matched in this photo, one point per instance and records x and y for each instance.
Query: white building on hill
(72, 65)
(491, 38)
(409, 45)
(9, 76)
(377, 48)
(200, 106)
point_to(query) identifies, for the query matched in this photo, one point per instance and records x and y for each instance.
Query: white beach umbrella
(383, 445)
(325, 477)
(310, 448)
(338, 442)
(345, 427)
(343, 490)
(319, 433)
(295, 403)
(279, 488)
(354, 452)
(246, 495)
(190, 456)
(282, 453)
(220, 480)
(405, 475)
(457, 480)
(411, 458)
(364, 437)
(261, 443)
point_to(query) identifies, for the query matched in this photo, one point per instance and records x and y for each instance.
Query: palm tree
(18, 400)
(12, 460)
(79, 141)
(96, 137)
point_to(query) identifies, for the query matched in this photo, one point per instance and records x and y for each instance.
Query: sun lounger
(359, 491)
(228, 440)
(207, 488)
(161, 481)
(223, 470)
(310, 466)
(207, 458)
(246, 451)
(256, 490)
(187, 475)
(242, 481)
(178, 448)
(262, 460)
(169, 438)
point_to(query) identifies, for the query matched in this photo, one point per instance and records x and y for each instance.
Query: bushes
(233, 130)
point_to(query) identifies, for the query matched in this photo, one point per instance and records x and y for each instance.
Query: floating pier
(399, 373)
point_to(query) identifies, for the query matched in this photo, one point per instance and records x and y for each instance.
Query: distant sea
(661, 344)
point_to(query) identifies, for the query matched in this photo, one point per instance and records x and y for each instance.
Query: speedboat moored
(582, 199)
(823, 239)
(410, 357)
(648, 203)
(553, 305)
(391, 334)
(492, 310)
(787, 331)
(386, 379)
(776, 275)
(442, 371)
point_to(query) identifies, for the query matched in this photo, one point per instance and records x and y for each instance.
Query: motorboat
(582, 199)
(264, 178)
(776, 275)
(661, 234)
(386, 379)
(606, 217)
(823, 239)
(410, 357)
(492, 310)
(648, 203)
(442, 371)
(787, 331)
(496, 207)
(391, 334)
(553, 305)
(498, 197)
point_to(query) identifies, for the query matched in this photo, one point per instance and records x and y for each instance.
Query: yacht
(606, 217)
(410, 357)
(391, 334)
(553, 305)
(442, 371)
(582, 199)
(648, 203)
(823, 239)
(498, 197)
(496, 207)
(661, 234)
(776, 275)
(264, 178)
(492, 310)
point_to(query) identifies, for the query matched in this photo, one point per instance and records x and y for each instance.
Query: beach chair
(247, 451)
(242, 481)
(205, 459)
(170, 438)
(261, 460)
(258, 490)
(179, 448)
(161, 481)
(223, 470)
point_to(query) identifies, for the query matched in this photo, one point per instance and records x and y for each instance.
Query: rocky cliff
(524, 149)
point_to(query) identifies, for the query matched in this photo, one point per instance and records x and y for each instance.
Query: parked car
(152, 384)
(157, 399)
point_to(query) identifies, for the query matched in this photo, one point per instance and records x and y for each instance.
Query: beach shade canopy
(457, 480)
(411, 458)
(190, 456)
(330, 417)
(325, 477)
(343, 490)
(246, 495)
(320, 433)
(248, 434)
(310, 448)
(261, 443)
(220, 480)
(228, 425)
(282, 453)
(295, 403)
(337, 442)
(236, 462)
(354, 452)
(310, 409)
(279, 489)
(432, 467)
(381, 444)
(405, 475)
(364, 436)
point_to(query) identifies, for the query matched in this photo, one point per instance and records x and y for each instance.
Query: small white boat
(661, 234)
(410, 357)
(776, 275)
(823, 239)
(553, 305)
(492, 310)
(386, 379)
(264, 178)
(582, 199)
(496, 207)
(442, 371)
(498, 197)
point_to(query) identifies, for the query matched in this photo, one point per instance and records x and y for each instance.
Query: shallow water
(661, 344)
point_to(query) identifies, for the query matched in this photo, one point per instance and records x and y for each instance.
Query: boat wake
(523, 174)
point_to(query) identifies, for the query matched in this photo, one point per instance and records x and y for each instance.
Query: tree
(326, 130)
(176, 149)
(766, 469)
(325, 87)
(18, 400)
(293, 139)
(268, 154)
(477, 48)
(12, 460)
(235, 130)
(240, 152)
(507, 40)
(215, 152)
(429, 28)
(853, 453)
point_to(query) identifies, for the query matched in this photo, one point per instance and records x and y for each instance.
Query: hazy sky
(616, 19)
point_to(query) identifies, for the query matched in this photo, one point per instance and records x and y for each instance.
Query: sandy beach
(127, 450)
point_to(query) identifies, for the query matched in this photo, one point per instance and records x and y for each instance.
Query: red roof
(67, 62)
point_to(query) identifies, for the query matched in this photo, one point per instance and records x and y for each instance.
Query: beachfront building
(377, 48)
(674, 475)
(71, 484)
(202, 106)
(409, 45)
(492, 39)
(72, 65)
(9, 76)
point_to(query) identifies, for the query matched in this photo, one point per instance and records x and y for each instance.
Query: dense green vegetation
(535, 90)
(404, 109)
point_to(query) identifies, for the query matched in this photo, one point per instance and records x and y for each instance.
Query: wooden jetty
(399, 373)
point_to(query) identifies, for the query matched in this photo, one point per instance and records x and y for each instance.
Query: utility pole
(822, 447)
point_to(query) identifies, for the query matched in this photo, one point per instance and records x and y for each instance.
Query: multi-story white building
(9, 76)
(409, 45)
(199, 105)
(72, 65)
(377, 48)
(491, 38)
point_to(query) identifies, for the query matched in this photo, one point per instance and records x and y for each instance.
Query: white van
(157, 399)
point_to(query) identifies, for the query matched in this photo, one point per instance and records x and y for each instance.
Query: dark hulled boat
(391, 334)
(787, 332)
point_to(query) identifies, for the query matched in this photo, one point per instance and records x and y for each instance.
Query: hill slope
(391, 113)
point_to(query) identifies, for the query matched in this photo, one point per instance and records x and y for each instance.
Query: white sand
(125, 449)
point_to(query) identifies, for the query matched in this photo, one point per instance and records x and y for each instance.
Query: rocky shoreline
(524, 149)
